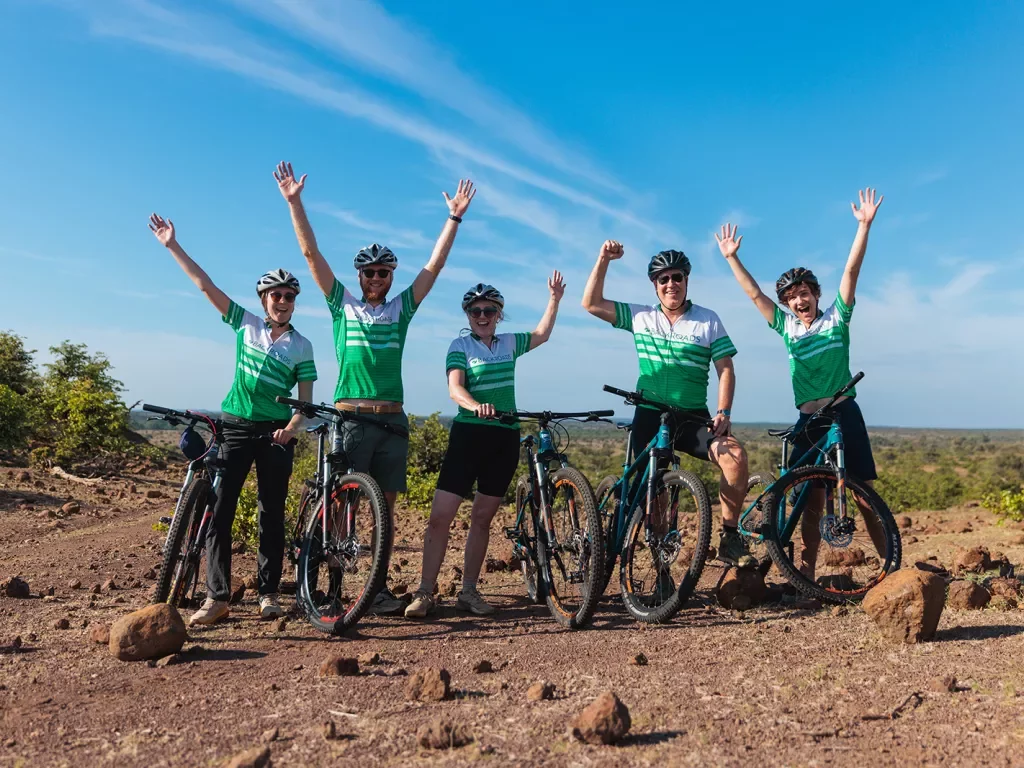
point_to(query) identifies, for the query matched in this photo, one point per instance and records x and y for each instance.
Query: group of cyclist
(676, 342)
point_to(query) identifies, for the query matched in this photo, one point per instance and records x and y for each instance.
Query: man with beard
(676, 343)
(369, 336)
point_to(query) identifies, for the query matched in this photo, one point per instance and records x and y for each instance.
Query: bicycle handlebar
(849, 385)
(173, 414)
(545, 416)
(311, 410)
(638, 398)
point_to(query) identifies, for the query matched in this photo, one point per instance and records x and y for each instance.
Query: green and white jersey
(490, 371)
(265, 368)
(368, 342)
(819, 356)
(675, 359)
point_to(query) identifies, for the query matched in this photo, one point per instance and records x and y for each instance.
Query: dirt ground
(771, 686)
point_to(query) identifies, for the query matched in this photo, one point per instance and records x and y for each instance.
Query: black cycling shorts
(480, 453)
(688, 436)
(856, 445)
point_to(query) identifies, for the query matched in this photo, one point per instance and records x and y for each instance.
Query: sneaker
(423, 603)
(211, 611)
(270, 608)
(386, 604)
(471, 600)
(732, 549)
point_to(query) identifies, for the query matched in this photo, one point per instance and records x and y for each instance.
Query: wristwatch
(725, 411)
(456, 219)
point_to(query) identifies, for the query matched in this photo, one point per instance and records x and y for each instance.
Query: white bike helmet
(276, 278)
(375, 254)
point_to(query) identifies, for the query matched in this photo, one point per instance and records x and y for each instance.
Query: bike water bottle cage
(192, 444)
(545, 441)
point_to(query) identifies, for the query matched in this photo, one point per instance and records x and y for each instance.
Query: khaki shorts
(377, 452)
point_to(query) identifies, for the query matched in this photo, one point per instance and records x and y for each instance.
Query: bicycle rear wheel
(573, 557)
(664, 552)
(341, 570)
(527, 533)
(853, 553)
(608, 497)
(180, 565)
(754, 522)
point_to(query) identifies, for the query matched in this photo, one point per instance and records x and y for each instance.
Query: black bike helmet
(482, 292)
(375, 254)
(192, 444)
(668, 260)
(796, 276)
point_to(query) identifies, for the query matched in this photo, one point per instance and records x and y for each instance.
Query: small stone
(71, 508)
(945, 684)
(238, 547)
(100, 633)
(640, 660)
(443, 733)
(154, 493)
(904, 522)
(328, 730)
(16, 642)
(400, 588)
(149, 574)
(50, 591)
(24, 476)
(95, 589)
(281, 625)
(62, 623)
(540, 691)
(369, 658)
(493, 565)
(605, 721)
(109, 585)
(428, 684)
(974, 560)
(15, 587)
(167, 661)
(257, 757)
(237, 590)
(339, 666)
(742, 582)
(483, 667)
(967, 595)
(270, 735)
(839, 610)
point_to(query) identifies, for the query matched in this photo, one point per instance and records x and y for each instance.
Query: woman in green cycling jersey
(270, 359)
(481, 378)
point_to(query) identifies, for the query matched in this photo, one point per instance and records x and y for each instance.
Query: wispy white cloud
(963, 283)
(394, 237)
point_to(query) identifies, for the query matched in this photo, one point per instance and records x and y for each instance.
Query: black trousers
(273, 469)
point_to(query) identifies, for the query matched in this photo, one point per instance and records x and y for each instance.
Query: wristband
(456, 219)
(725, 411)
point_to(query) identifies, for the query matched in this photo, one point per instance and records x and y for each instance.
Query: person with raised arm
(369, 337)
(271, 358)
(480, 367)
(818, 343)
(676, 343)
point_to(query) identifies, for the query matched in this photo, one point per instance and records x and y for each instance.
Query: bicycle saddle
(789, 433)
(626, 427)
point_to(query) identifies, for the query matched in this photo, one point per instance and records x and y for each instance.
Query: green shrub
(17, 370)
(14, 419)
(421, 487)
(1007, 504)
(84, 420)
(428, 441)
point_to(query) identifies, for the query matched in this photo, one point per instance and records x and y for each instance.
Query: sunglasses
(381, 273)
(483, 311)
(287, 298)
(675, 277)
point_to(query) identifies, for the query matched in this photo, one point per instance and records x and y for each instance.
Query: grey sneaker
(732, 549)
(270, 608)
(423, 604)
(386, 604)
(210, 612)
(471, 600)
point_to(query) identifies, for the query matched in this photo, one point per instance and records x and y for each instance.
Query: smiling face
(375, 282)
(483, 317)
(802, 301)
(670, 286)
(279, 304)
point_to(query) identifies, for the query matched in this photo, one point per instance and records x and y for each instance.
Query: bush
(14, 419)
(1007, 504)
(428, 441)
(84, 420)
(17, 370)
(246, 525)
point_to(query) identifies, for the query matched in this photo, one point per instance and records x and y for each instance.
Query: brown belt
(393, 408)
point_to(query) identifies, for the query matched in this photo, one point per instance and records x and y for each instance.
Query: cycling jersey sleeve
(721, 344)
(778, 323)
(238, 318)
(336, 299)
(845, 312)
(456, 357)
(409, 305)
(522, 343)
(305, 370)
(624, 314)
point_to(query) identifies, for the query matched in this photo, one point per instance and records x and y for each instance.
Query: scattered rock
(483, 667)
(251, 582)
(109, 585)
(50, 591)
(910, 540)
(270, 735)
(24, 476)
(1002, 603)
(150, 633)
(428, 684)
(493, 565)
(904, 522)
(154, 493)
(974, 560)
(238, 547)
(604, 721)
(100, 633)
(149, 574)
(62, 623)
(442, 733)
(937, 569)
(906, 605)
(640, 660)
(843, 558)
(400, 588)
(1006, 587)
(339, 666)
(946, 684)
(257, 757)
(237, 590)
(281, 625)
(742, 582)
(930, 530)
(839, 610)
(967, 595)
(16, 587)
(95, 589)
(540, 691)
(71, 508)
(369, 658)
(16, 642)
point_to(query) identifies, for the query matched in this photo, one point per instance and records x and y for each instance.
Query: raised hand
(556, 285)
(163, 229)
(611, 249)
(868, 206)
(290, 188)
(727, 241)
(459, 204)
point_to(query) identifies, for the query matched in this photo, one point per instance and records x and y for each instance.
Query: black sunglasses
(287, 298)
(485, 311)
(382, 273)
(675, 277)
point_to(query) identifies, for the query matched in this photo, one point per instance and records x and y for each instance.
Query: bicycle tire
(666, 601)
(757, 484)
(608, 512)
(336, 621)
(527, 565)
(792, 573)
(174, 571)
(309, 499)
(584, 551)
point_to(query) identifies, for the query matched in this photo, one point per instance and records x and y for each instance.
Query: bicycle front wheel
(825, 554)
(343, 561)
(664, 551)
(523, 546)
(608, 496)
(573, 555)
(180, 565)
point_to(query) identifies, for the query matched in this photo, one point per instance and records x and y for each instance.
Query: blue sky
(579, 122)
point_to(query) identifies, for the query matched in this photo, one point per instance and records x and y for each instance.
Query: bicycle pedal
(636, 586)
(165, 520)
(576, 578)
(512, 534)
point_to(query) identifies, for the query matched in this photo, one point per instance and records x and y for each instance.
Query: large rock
(339, 666)
(967, 595)
(1006, 587)
(973, 560)
(428, 684)
(257, 757)
(906, 605)
(742, 588)
(151, 633)
(15, 587)
(443, 733)
(605, 720)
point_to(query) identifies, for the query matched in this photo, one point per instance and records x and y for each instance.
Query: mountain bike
(557, 532)
(193, 513)
(656, 519)
(341, 543)
(854, 520)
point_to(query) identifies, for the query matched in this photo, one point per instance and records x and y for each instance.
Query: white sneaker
(472, 601)
(211, 611)
(270, 608)
(423, 603)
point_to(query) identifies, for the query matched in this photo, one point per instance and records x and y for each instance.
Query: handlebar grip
(616, 391)
(293, 403)
(602, 414)
(156, 409)
(850, 385)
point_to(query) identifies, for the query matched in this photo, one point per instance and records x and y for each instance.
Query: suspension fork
(324, 474)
